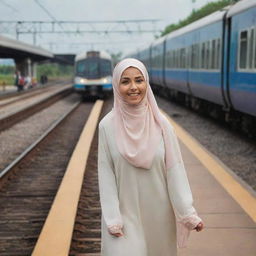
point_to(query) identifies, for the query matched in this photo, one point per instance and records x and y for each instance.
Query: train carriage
(241, 57)
(157, 62)
(210, 64)
(93, 74)
(193, 59)
(144, 55)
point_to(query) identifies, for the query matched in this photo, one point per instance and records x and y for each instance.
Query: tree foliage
(116, 57)
(54, 70)
(197, 14)
(7, 70)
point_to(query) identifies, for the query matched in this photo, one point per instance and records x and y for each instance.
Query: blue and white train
(210, 64)
(93, 74)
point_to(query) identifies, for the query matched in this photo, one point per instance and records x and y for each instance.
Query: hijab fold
(139, 128)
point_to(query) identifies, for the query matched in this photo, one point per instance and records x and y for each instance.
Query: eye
(124, 81)
(139, 80)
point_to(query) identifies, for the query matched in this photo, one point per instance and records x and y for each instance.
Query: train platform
(7, 89)
(226, 205)
(227, 208)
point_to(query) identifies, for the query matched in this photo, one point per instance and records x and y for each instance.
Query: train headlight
(79, 80)
(107, 80)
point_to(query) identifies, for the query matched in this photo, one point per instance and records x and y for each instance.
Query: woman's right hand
(115, 230)
(199, 227)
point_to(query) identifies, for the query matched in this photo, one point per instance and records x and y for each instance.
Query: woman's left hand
(199, 227)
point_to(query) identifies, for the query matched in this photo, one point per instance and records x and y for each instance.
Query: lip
(133, 94)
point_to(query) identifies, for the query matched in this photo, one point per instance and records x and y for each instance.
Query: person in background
(16, 79)
(28, 82)
(146, 201)
(33, 82)
(21, 82)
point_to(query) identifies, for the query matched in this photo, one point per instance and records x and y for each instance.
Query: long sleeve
(181, 196)
(107, 185)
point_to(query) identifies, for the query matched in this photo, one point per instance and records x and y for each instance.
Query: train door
(225, 61)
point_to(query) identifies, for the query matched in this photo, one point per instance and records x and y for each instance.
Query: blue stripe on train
(81, 86)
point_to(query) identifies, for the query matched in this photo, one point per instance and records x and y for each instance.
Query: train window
(169, 59)
(207, 55)
(180, 58)
(80, 67)
(183, 58)
(255, 49)
(251, 48)
(189, 57)
(218, 54)
(175, 59)
(203, 55)
(197, 56)
(180, 55)
(105, 67)
(213, 60)
(193, 56)
(243, 49)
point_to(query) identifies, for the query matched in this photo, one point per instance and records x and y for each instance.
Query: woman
(144, 191)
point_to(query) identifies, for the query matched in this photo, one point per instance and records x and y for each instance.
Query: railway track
(12, 95)
(27, 190)
(26, 203)
(86, 240)
(17, 111)
(28, 94)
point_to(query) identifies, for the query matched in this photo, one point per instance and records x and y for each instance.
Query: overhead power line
(48, 13)
(8, 5)
(100, 27)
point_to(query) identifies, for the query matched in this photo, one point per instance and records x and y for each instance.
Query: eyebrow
(126, 77)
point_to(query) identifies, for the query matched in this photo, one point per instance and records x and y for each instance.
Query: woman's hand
(117, 234)
(199, 227)
(115, 230)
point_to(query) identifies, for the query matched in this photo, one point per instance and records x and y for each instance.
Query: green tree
(198, 14)
(54, 70)
(7, 70)
(116, 57)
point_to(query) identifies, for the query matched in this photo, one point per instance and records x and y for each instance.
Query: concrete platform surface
(229, 230)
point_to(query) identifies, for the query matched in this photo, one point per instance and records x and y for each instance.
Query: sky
(165, 11)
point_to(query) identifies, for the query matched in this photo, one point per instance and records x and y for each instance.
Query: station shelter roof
(10, 48)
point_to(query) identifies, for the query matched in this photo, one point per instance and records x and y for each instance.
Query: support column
(34, 69)
(29, 67)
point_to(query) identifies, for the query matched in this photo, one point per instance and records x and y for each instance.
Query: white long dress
(140, 200)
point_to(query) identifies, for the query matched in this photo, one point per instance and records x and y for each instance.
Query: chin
(134, 102)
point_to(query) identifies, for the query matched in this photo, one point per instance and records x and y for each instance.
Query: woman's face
(132, 86)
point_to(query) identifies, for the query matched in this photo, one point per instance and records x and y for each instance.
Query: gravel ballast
(234, 150)
(16, 139)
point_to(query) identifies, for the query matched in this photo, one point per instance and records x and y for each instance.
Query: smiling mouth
(133, 94)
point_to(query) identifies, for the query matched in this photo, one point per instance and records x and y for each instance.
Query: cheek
(122, 90)
(144, 89)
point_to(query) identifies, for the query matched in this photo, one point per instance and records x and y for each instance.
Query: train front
(93, 74)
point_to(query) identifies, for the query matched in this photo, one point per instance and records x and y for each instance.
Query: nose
(133, 86)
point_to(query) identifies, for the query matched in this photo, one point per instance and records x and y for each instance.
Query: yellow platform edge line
(217, 168)
(56, 234)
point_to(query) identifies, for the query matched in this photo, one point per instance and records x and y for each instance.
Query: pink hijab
(139, 128)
